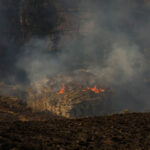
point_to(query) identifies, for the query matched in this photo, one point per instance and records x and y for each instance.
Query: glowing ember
(84, 90)
(102, 90)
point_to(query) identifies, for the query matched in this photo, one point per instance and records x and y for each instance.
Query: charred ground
(20, 128)
(130, 131)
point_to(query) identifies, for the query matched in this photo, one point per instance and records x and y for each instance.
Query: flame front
(94, 89)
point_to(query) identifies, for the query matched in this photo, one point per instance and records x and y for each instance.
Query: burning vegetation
(71, 98)
(94, 89)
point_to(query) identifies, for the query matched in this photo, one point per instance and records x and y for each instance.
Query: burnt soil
(20, 128)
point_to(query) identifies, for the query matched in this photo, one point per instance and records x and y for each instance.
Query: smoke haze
(112, 41)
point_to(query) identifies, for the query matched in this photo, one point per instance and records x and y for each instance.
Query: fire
(102, 90)
(94, 89)
(62, 90)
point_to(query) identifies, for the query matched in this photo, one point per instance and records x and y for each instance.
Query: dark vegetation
(13, 109)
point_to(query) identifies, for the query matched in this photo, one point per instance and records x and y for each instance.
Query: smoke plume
(111, 40)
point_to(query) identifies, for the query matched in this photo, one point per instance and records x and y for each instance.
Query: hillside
(20, 128)
(13, 109)
(128, 131)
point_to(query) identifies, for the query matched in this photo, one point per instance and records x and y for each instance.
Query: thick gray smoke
(111, 40)
(19, 20)
(9, 46)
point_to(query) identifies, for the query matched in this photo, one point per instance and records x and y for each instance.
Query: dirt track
(128, 131)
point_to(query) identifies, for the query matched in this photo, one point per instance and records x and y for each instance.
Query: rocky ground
(42, 131)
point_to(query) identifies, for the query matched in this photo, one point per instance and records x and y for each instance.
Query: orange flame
(62, 90)
(102, 90)
(94, 89)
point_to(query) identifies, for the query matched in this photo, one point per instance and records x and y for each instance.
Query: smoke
(109, 39)
(9, 43)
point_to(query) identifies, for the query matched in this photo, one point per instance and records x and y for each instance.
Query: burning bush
(68, 96)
